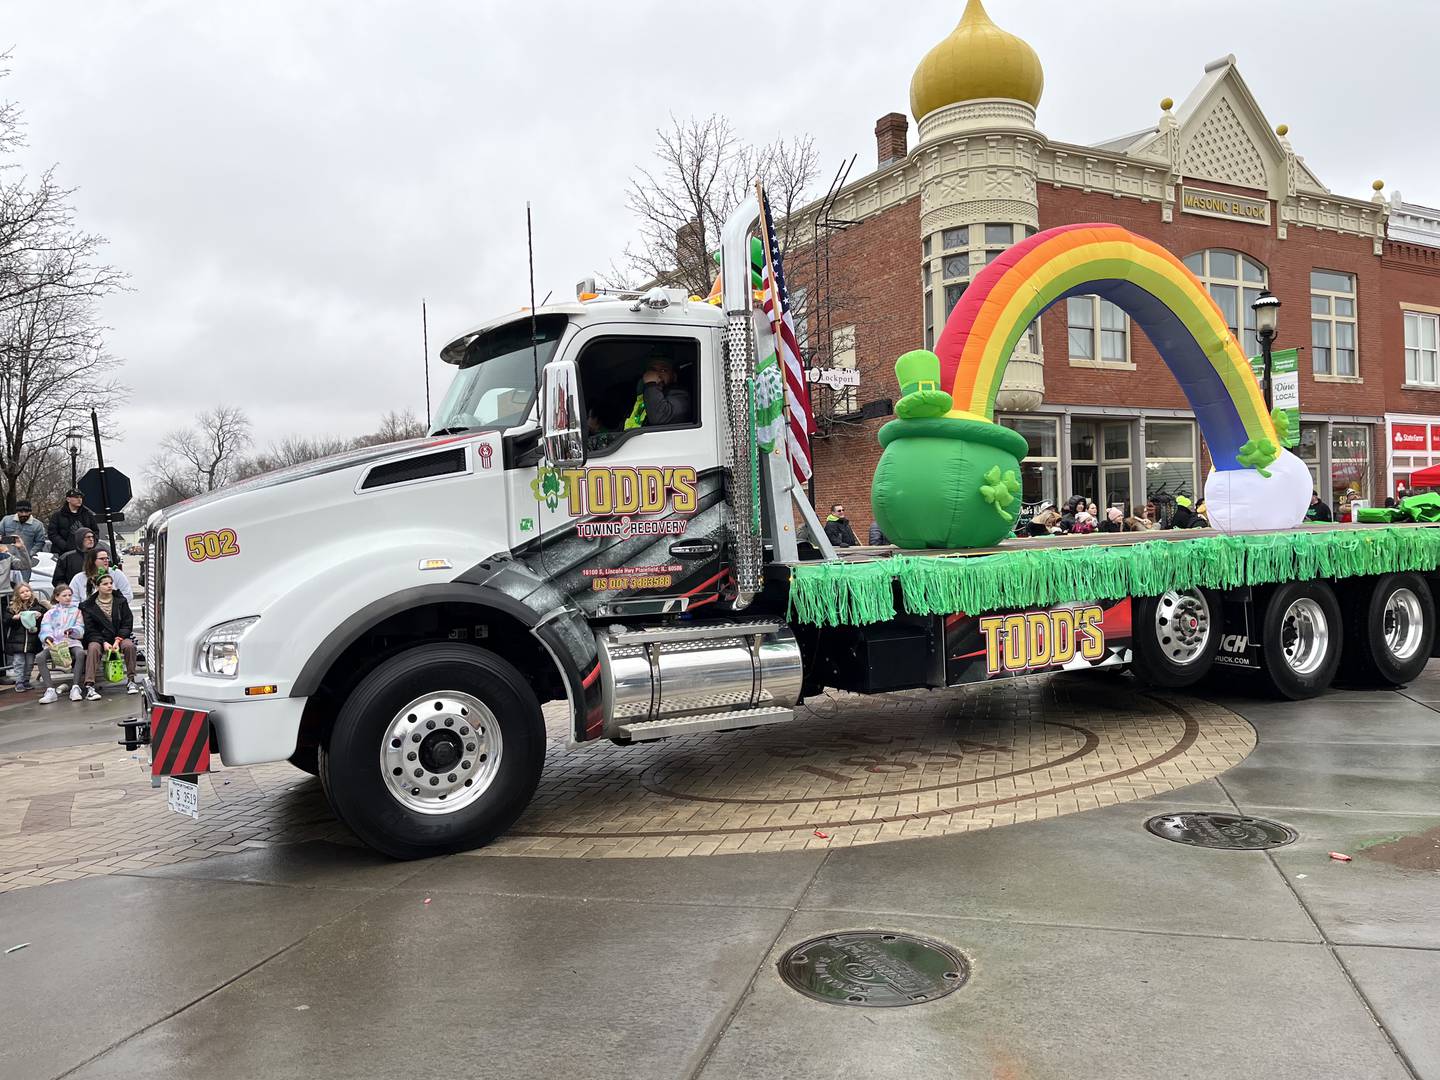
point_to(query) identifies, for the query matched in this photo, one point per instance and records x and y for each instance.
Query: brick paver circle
(848, 770)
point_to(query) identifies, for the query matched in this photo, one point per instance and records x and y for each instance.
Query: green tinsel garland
(836, 593)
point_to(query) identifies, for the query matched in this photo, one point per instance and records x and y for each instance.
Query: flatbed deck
(872, 584)
(865, 553)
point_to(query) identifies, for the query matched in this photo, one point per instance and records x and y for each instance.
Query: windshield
(495, 384)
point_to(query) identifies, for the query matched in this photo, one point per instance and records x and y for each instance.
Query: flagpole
(777, 339)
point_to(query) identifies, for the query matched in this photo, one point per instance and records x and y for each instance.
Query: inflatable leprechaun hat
(945, 480)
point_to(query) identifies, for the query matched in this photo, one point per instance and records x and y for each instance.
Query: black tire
(1378, 612)
(1175, 637)
(359, 789)
(1300, 639)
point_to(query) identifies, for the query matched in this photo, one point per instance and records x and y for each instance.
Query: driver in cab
(659, 399)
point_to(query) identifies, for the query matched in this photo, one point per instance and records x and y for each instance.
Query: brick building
(1213, 181)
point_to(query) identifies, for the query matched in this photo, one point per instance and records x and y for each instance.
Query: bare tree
(53, 364)
(396, 427)
(702, 171)
(205, 456)
(291, 451)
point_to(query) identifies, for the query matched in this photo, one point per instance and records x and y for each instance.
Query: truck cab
(393, 618)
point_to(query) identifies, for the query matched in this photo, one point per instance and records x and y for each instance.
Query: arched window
(1234, 280)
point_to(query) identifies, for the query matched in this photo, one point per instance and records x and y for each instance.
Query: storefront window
(1040, 471)
(1349, 465)
(1169, 458)
(1309, 451)
(1100, 461)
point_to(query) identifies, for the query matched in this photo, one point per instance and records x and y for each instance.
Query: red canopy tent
(1425, 478)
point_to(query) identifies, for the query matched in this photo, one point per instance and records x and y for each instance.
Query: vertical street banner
(1285, 388)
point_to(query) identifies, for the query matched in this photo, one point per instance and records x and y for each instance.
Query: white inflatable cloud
(1241, 500)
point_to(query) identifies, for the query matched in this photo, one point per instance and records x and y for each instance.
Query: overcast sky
(284, 181)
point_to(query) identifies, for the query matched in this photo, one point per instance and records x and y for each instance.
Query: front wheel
(438, 749)
(1176, 636)
(1300, 639)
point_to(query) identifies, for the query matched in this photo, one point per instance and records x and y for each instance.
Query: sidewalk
(1096, 948)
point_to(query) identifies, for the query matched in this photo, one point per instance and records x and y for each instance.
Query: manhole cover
(874, 968)
(1222, 831)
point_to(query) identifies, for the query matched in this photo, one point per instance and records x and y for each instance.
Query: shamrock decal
(1000, 490)
(549, 487)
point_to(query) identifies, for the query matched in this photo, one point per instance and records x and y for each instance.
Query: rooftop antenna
(425, 345)
(534, 323)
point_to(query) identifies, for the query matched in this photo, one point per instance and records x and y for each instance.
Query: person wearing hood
(72, 516)
(73, 561)
(837, 528)
(1073, 506)
(877, 535)
(61, 630)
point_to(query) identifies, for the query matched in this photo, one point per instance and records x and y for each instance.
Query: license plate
(184, 797)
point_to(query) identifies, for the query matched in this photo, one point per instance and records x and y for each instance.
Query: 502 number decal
(215, 544)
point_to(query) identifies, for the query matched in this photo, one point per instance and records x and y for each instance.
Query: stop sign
(116, 483)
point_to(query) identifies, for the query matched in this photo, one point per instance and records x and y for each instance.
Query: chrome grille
(155, 604)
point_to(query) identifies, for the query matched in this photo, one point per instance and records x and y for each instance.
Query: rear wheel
(1300, 639)
(1175, 637)
(438, 749)
(1389, 629)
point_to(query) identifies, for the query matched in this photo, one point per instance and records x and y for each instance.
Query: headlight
(219, 654)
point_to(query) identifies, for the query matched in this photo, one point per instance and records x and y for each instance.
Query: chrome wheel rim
(1182, 625)
(1304, 636)
(1403, 624)
(440, 753)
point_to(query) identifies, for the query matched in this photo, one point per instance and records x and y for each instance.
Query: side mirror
(561, 425)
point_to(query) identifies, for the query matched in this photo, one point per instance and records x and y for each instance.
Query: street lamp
(1267, 318)
(72, 441)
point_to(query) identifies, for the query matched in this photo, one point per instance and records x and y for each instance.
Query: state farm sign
(1410, 438)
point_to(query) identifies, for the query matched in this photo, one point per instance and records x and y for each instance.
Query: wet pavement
(1096, 948)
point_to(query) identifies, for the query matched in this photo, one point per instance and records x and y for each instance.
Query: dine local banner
(1285, 387)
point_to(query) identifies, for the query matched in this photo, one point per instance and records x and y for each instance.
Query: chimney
(892, 132)
(690, 245)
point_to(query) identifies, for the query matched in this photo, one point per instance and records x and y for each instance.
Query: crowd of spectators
(1079, 515)
(86, 622)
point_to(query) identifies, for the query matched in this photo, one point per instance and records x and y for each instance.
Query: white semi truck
(394, 618)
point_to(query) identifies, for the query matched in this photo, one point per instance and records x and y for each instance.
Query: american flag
(799, 423)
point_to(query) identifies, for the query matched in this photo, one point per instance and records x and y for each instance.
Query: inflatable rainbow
(1138, 275)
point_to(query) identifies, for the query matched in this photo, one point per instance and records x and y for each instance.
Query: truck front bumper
(246, 732)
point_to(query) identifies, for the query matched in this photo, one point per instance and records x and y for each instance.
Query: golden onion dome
(977, 60)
